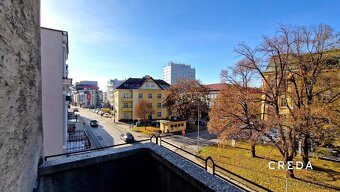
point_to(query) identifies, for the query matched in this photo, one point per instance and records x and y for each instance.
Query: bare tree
(275, 51)
(235, 113)
(291, 64)
(315, 53)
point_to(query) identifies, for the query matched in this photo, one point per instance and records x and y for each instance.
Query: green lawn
(325, 175)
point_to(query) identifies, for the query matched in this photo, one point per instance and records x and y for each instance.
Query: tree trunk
(289, 172)
(253, 154)
(305, 152)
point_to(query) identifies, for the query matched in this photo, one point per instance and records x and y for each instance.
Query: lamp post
(198, 127)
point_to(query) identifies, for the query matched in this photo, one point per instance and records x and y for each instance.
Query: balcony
(127, 98)
(126, 108)
(140, 167)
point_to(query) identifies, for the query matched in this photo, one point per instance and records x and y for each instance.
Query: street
(107, 133)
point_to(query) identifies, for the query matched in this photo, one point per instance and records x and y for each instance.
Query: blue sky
(132, 38)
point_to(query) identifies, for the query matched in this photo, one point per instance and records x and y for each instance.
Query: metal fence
(78, 141)
(216, 169)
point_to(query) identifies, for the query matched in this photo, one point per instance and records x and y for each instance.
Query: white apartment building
(55, 89)
(174, 72)
(111, 85)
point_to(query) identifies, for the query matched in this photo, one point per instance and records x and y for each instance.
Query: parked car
(106, 115)
(201, 123)
(155, 124)
(76, 111)
(335, 152)
(127, 137)
(94, 123)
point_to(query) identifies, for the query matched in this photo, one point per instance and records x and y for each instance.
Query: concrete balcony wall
(142, 167)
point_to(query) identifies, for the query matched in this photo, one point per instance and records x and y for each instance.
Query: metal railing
(91, 150)
(214, 166)
(77, 141)
(159, 141)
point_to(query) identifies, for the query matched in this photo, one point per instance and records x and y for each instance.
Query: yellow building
(127, 95)
(172, 126)
(330, 76)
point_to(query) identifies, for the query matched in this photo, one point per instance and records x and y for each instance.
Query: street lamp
(198, 126)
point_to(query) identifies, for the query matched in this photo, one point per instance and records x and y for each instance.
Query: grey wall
(20, 94)
(131, 171)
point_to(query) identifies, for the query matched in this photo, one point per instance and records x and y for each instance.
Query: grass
(148, 130)
(325, 175)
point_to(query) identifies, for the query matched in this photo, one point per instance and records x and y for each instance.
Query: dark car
(94, 123)
(155, 124)
(127, 137)
(201, 123)
(335, 152)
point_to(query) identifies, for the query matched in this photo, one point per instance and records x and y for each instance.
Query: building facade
(87, 94)
(174, 72)
(55, 89)
(127, 95)
(329, 78)
(213, 91)
(111, 85)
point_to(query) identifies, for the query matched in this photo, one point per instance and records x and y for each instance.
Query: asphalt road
(107, 133)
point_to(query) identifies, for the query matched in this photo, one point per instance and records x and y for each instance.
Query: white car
(76, 111)
(106, 115)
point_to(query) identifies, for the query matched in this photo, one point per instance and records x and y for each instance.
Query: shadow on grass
(318, 184)
(264, 158)
(335, 175)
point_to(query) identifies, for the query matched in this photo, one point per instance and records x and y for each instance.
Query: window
(283, 101)
(150, 95)
(159, 105)
(126, 105)
(159, 114)
(140, 95)
(147, 85)
(152, 85)
(126, 95)
(159, 96)
(126, 116)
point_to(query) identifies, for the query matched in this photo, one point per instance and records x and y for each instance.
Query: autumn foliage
(143, 110)
(182, 98)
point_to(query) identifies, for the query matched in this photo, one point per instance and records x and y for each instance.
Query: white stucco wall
(53, 106)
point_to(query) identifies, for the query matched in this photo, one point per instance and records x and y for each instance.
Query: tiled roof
(135, 83)
(215, 86)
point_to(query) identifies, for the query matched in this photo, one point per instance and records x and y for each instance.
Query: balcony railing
(78, 141)
(216, 169)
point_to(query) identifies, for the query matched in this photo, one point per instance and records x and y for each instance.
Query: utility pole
(198, 127)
